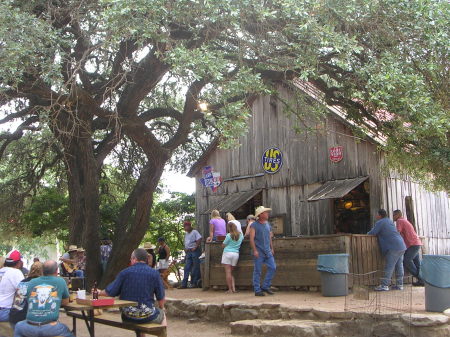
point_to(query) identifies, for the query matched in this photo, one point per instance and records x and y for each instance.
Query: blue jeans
(393, 260)
(4, 315)
(192, 266)
(23, 329)
(411, 260)
(79, 273)
(269, 261)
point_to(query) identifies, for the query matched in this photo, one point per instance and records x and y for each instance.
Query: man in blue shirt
(392, 247)
(262, 248)
(139, 283)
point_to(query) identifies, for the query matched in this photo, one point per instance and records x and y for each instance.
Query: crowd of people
(30, 300)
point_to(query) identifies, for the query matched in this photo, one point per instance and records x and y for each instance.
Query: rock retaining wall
(269, 319)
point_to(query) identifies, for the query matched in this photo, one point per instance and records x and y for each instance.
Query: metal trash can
(435, 272)
(333, 270)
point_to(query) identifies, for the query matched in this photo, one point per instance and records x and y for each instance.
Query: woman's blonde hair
(36, 270)
(230, 216)
(215, 213)
(234, 233)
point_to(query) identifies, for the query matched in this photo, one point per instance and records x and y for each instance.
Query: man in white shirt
(192, 240)
(10, 277)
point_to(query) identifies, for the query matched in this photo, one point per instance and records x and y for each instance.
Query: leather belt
(40, 323)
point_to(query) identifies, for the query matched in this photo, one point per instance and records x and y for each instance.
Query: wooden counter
(296, 259)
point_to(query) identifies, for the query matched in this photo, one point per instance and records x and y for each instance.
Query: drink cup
(81, 294)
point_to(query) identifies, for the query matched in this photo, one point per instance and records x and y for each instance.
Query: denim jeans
(393, 260)
(269, 261)
(23, 329)
(411, 260)
(192, 266)
(79, 273)
(4, 315)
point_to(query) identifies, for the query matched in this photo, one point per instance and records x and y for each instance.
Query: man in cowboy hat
(10, 277)
(70, 261)
(262, 248)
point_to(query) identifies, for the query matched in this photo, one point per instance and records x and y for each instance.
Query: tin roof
(232, 202)
(334, 189)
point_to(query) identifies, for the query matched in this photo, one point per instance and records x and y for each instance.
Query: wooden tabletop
(117, 304)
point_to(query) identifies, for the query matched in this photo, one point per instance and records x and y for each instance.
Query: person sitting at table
(45, 295)
(139, 283)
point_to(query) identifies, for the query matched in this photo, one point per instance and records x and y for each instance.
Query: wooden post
(205, 282)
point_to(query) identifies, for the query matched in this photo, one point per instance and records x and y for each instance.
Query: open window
(351, 203)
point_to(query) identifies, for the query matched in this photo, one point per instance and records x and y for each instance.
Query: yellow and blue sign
(272, 160)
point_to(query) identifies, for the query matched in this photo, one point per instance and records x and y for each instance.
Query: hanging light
(348, 204)
(203, 106)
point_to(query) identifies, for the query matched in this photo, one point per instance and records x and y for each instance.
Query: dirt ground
(413, 295)
(181, 327)
(177, 327)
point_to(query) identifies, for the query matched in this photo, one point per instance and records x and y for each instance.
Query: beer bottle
(95, 291)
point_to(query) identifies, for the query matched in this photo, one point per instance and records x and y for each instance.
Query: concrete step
(285, 328)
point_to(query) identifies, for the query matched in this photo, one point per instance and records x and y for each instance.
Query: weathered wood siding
(306, 166)
(431, 211)
(296, 260)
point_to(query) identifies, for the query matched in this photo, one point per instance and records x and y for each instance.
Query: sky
(178, 182)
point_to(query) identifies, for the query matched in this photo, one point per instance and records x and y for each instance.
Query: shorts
(230, 258)
(142, 314)
(163, 264)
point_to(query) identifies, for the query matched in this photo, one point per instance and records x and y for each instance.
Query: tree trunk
(75, 135)
(134, 217)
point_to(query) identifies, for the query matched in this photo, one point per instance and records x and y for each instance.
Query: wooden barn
(324, 183)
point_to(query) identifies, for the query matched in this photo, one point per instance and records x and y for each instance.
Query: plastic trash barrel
(435, 272)
(333, 270)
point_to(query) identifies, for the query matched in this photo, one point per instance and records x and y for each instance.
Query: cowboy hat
(80, 250)
(149, 245)
(261, 209)
(72, 248)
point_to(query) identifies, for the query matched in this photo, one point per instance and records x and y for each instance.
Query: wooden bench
(115, 320)
(6, 330)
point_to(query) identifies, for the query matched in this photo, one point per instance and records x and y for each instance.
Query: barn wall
(306, 166)
(431, 211)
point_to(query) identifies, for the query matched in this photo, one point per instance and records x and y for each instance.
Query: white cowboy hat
(149, 245)
(261, 209)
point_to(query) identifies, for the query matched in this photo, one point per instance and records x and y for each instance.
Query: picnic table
(86, 313)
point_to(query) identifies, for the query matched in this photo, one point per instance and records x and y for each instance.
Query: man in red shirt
(411, 259)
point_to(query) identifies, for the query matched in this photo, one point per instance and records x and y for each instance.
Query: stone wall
(273, 319)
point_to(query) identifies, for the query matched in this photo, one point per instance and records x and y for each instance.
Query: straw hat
(149, 245)
(80, 250)
(72, 248)
(261, 209)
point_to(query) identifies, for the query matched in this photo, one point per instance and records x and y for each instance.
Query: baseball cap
(13, 256)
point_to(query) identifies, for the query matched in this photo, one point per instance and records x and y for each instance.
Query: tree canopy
(120, 82)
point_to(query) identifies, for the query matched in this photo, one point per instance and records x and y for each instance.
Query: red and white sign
(336, 153)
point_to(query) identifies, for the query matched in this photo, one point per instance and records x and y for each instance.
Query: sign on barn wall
(272, 160)
(336, 153)
(210, 178)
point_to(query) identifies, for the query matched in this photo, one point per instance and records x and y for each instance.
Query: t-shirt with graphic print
(44, 295)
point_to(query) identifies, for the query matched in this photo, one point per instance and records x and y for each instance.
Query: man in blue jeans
(192, 240)
(392, 247)
(261, 243)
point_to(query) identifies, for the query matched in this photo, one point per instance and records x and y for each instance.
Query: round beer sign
(272, 160)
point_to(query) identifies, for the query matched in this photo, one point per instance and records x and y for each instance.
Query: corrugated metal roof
(232, 202)
(335, 188)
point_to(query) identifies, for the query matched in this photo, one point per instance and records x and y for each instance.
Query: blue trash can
(333, 270)
(435, 272)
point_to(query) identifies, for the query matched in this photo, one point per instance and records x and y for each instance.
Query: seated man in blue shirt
(139, 283)
(392, 247)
